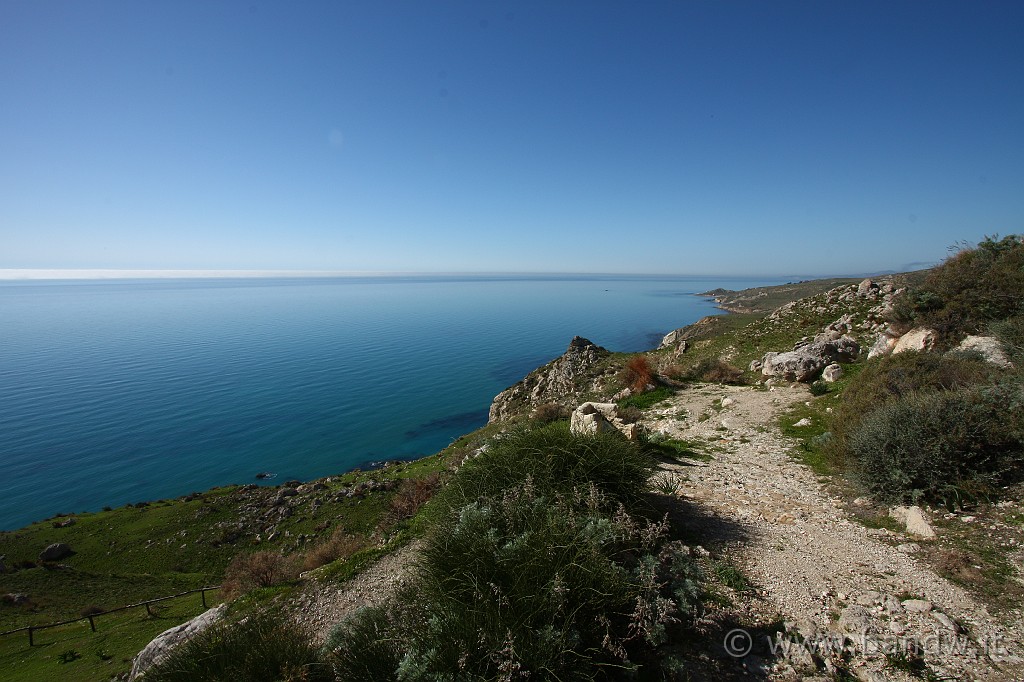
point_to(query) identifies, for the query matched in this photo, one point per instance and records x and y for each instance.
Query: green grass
(677, 449)
(730, 576)
(103, 654)
(132, 554)
(642, 401)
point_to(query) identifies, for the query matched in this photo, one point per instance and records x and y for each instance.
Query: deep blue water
(120, 391)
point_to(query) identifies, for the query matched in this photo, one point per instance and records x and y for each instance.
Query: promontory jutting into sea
(130, 390)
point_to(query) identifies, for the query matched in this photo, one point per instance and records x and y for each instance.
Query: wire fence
(32, 629)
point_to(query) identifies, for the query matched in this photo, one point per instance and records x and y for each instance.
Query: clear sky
(678, 137)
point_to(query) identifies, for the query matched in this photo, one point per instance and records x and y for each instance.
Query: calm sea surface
(117, 392)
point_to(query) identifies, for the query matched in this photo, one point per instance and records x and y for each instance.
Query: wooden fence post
(92, 624)
(203, 595)
(30, 642)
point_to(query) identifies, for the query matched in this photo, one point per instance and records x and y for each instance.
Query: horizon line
(42, 274)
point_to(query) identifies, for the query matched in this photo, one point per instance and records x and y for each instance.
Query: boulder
(917, 605)
(157, 650)
(915, 521)
(866, 288)
(675, 339)
(832, 373)
(807, 360)
(55, 552)
(589, 419)
(920, 339)
(855, 619)
(594, 418)
(883, 345)
(988, 347)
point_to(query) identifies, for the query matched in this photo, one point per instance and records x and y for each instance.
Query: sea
(119, 391)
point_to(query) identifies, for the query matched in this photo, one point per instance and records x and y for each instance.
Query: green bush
(941, 446)
(263, 647)
(521, 585)
(556, 461)
(533, 567)
(1010, 334)
(896, 377)
(969, 290)
(819, 388)
(367, 646)
(711, 370)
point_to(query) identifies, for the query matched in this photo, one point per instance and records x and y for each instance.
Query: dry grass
(339, 545)
(257, 569)
(412, 495)
(638, 375)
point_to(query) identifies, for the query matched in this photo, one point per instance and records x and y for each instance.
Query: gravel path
(826, 575)
(321, 605)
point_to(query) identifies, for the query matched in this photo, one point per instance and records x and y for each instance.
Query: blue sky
(685, 137)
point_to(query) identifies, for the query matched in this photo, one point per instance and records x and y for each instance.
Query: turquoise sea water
(120, 391)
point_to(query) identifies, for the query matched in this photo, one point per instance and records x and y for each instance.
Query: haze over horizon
(692, 138)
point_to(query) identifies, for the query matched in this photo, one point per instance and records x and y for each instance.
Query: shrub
(533, 568)
(638, 375)
(263, 647)
(819, 388)
(550, 412)
(412, 494)
(556, 461)
(711, 370)
(1010, 334)
(970, 289)
(368, 645)
(941, 446)
(340, 544)
(899, 376)
(258, 569)
(518, 585)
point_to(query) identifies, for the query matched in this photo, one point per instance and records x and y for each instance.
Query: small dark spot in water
(466, 421)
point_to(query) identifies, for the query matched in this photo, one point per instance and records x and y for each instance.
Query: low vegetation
(541, 562)
(934, 427)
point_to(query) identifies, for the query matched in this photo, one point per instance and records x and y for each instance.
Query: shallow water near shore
(121, 391)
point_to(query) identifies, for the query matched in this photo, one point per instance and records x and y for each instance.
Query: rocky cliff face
(564, 380)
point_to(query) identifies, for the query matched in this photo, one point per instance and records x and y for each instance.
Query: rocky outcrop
(920, 339)
(562, 380)
(55, 552)
(594, 418)
(915, 521)
(832, 373)
(806, 362)
(157, 650)
(988, 347)
(701, 328)
(883, 345)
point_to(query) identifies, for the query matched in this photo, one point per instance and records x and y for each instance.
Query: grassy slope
(131, 554)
